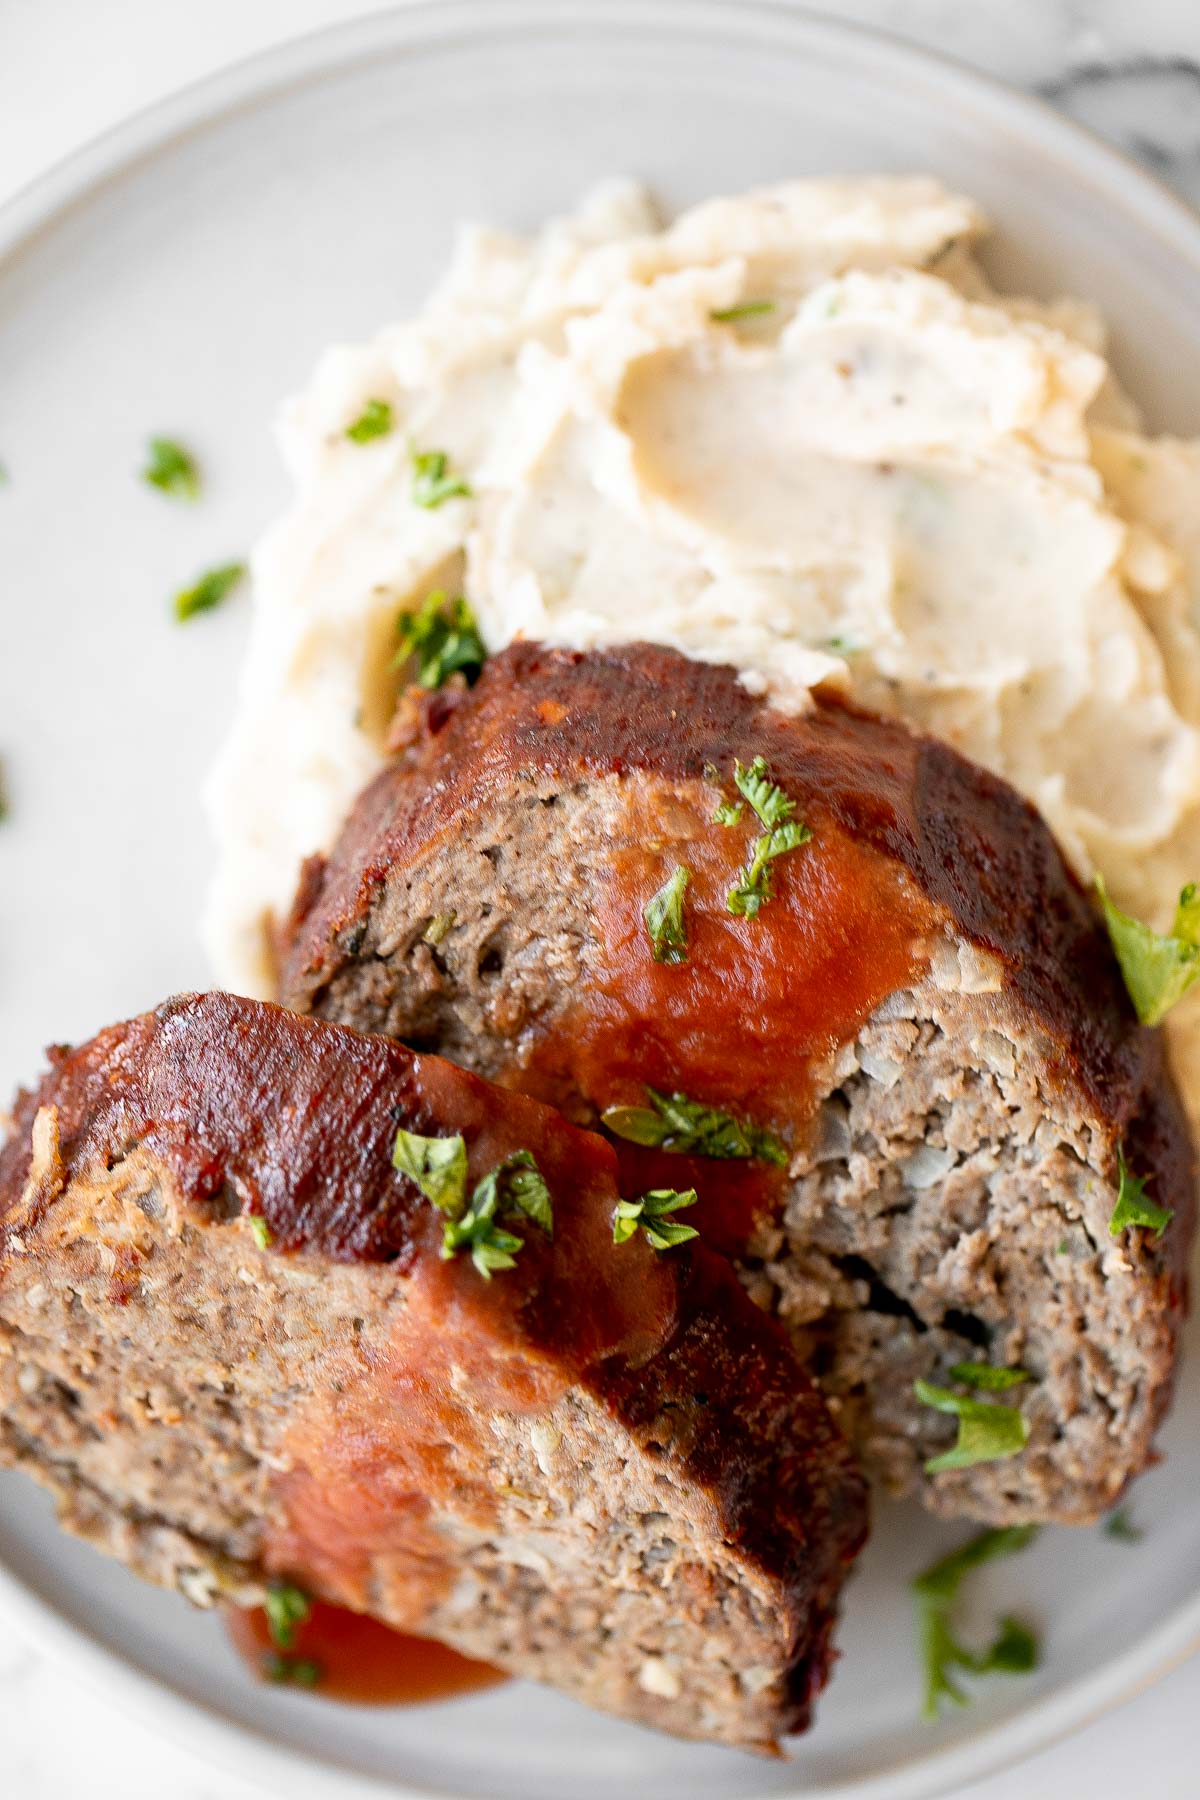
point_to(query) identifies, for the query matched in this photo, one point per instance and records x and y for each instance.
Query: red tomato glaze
(751, 1019)
(360, 1659)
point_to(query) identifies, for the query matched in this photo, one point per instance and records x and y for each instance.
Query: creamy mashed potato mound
(886, 477)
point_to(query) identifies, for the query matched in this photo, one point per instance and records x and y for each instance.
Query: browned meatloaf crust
(602, 1468)
(927, 1012)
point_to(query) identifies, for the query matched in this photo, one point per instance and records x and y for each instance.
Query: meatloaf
(238, 1342)
(919, 1041)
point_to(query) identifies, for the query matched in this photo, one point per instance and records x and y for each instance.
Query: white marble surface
(69, 69)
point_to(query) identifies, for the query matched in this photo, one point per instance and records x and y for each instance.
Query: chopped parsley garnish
(1120, 1525)
(438, 1166)
(745, 309)
(753, 890)
(1014, 1651)
(170, 468)
(987, 1431)
(286, 1607)
(729, 812)
(770, 803)
(650, 1213)
(374, 421)
(841, 646)
(299, 1671)
(209, 591)
(516, 1185)
(1159, 968)
(492, 1248)
(673, 1122)
(433, 480)
(986, 1376)
(1133, 1208)
(444, 638)
(261, 1231)
(773, 810)
(664, 918)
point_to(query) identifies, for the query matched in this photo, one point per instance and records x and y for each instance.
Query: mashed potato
(794, 431)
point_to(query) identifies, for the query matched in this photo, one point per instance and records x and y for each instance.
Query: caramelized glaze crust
(927, 1014)
(970, 851)
(351, 1409)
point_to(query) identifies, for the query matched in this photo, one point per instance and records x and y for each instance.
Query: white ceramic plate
(180, 276)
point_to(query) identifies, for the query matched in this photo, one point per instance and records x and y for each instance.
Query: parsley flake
(374, 421)
(987, 1431)
(752, 892)
(1014, 1650)
(1120, 1526)
(769, 801)
(298, 1671)
(991, 1379)
(433, 481)
(286, 1606)
(492, 1248)
(1133, 1208)
(650, 1213)
(664, 918)
(673, 1122)
(438, 1166)
(209, 591)
(170, 468)
(443, 637)
(745, 309)
(261, 1231)
(773, 810)
(1158, 968)
(516, 1185)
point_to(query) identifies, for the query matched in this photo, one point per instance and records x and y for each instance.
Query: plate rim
(417, 27)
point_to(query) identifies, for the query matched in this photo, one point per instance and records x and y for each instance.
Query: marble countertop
(71, 68)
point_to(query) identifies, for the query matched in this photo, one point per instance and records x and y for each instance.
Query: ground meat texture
(603, 1468)
(927, 1013)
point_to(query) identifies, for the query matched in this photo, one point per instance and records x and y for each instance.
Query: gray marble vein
(1128, 71)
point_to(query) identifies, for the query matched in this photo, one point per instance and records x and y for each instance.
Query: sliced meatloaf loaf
(917, 1005)
(235, 1346)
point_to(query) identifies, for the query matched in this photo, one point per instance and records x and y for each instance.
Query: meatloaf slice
(926, 1015)
(234, 1349)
